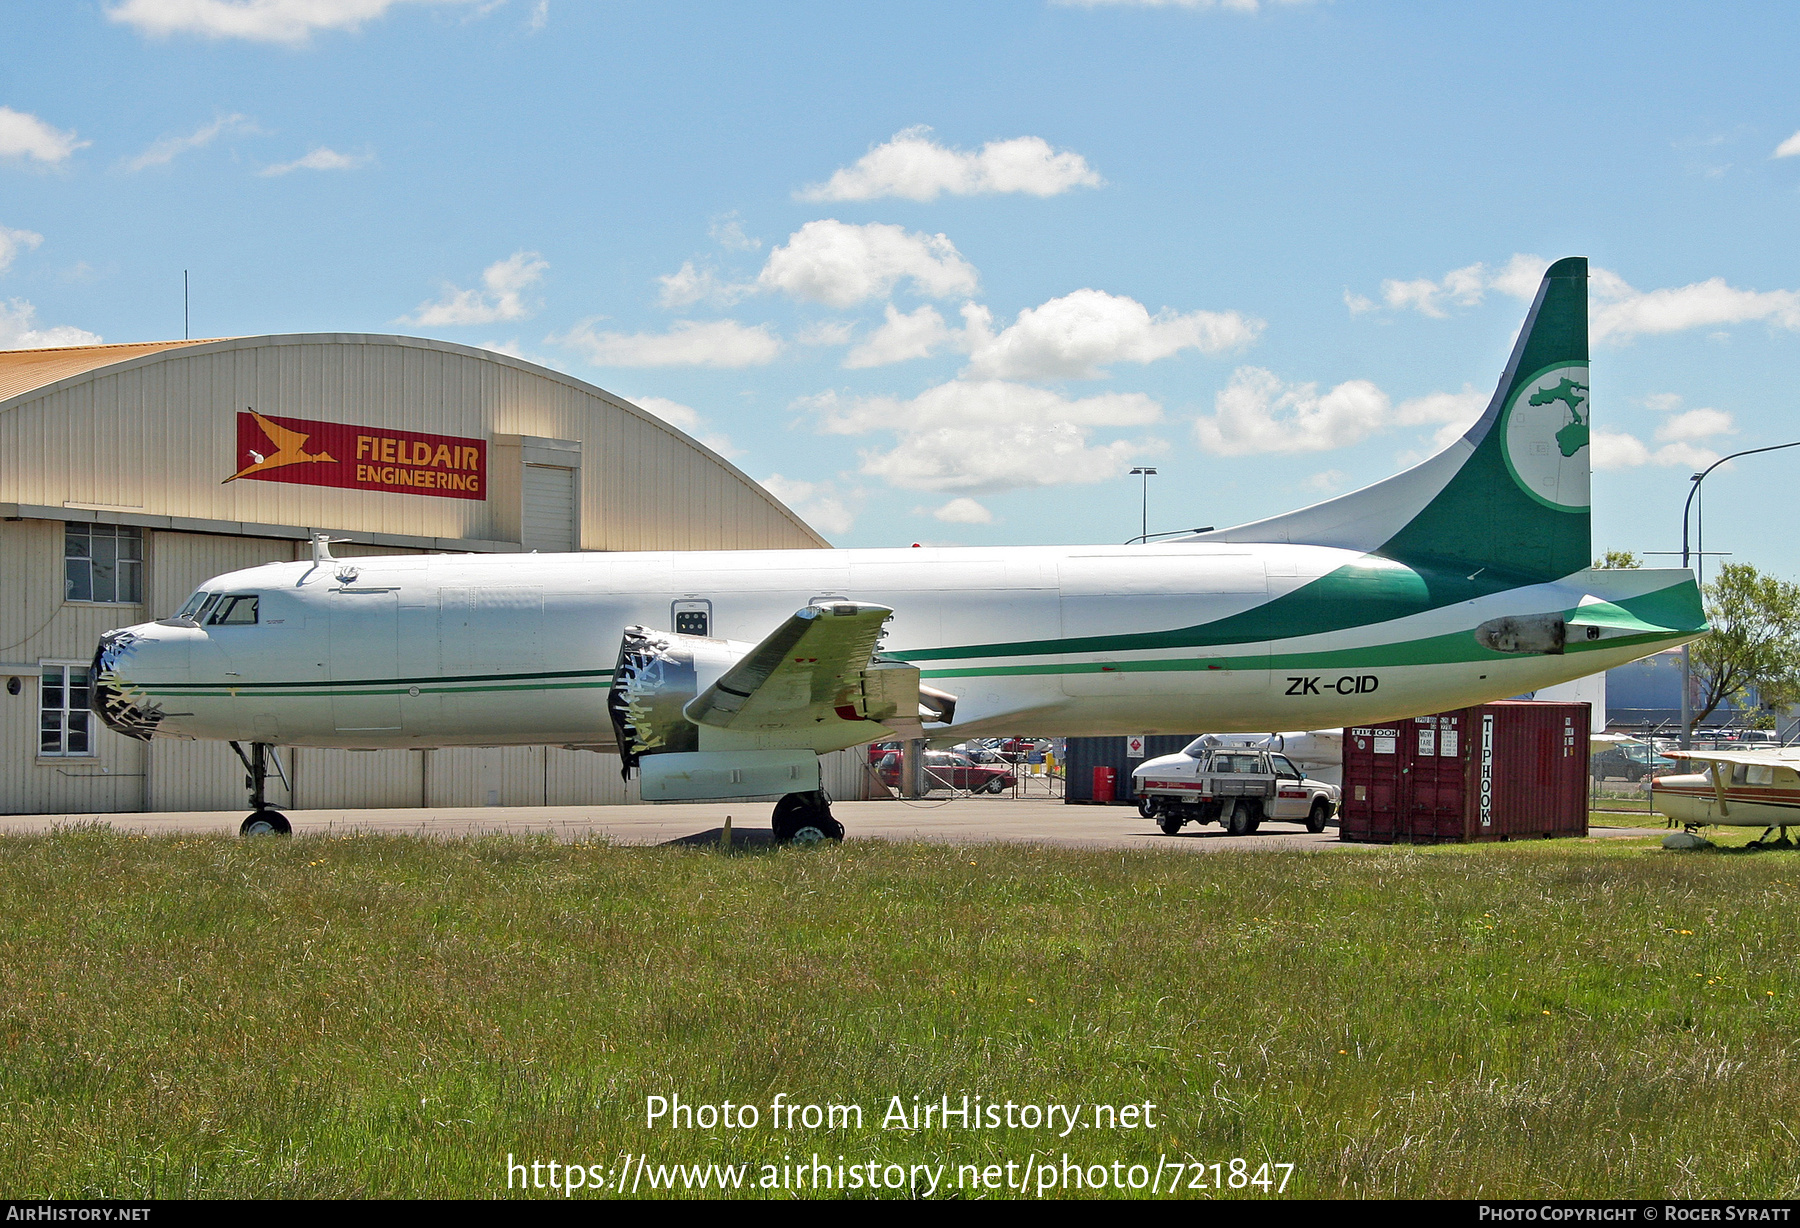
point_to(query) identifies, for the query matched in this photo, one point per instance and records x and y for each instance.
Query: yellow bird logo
(289, 449)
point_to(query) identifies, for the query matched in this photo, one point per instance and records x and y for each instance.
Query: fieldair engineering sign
(307, 453)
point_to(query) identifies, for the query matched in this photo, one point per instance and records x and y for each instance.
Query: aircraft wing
(810, 669)
(1783, 756)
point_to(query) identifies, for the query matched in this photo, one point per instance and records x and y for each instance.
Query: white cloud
(166, 149)
(902, 337)
(1464, 287)
(688, 285)
(259, 21)
(1616, 310)
(689, 343)
(12, 242)
(1788, 148)
(26, 136)
(1696, 424)
(832, 262)
(1326, 482)
(1073, 336)
(540, 16)
(818, 503)
(1452, 412)
(1622, 312)
(504, 283)
(1678, 432)
(1257, 412)
(320, 159)
(964, 511)
(728, 232)
(1615, 450)
(686, 419)
(917, 168)
(19, 331)
(991, 435)
(827, 332)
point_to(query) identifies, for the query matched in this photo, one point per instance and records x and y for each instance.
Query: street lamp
(1687, 665)
(1148, 474)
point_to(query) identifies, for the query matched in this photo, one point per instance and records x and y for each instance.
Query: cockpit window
(234, 612)
(192, 606)
(212, 599)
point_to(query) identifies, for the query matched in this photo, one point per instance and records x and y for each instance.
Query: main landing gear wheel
(1315, 822)
(266, 823)
(805, 818)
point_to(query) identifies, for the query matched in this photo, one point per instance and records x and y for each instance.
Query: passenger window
(235, 612)
(1738, 772)
(1761, 775)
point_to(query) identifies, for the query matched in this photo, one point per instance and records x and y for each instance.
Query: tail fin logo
(1546, 433)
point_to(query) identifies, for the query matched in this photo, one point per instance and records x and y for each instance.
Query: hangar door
(548, 520)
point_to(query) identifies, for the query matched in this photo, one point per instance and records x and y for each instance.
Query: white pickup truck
(1238, 787)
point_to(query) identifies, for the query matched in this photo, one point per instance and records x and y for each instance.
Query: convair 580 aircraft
(725, 674)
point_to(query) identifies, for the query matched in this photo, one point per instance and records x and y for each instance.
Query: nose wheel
(266, 823)
(264, 820)
(805, 818)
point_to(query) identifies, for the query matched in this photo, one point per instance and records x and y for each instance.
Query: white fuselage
(1741, 796)
(449, 650)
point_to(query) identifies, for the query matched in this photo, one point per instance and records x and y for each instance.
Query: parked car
(948, 770)
(1237, 787)
(1632, 761)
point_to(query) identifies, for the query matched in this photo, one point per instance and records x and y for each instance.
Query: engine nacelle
(657, 674)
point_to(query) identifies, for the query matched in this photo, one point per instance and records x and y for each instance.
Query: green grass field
(370, 1016)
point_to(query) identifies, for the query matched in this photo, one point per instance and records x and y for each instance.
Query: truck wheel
(1238, 821)
(1170, 824)
(1315, 821)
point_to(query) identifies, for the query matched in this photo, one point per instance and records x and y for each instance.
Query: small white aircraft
(725, 674)
(1735, 788)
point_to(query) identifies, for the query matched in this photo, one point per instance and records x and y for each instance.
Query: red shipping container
(1510, 770)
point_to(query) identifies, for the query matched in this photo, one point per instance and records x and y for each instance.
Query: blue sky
(946, 272)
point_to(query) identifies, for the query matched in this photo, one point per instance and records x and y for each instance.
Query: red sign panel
(308, 453)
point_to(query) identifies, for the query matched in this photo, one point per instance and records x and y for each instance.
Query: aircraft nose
(124, 660)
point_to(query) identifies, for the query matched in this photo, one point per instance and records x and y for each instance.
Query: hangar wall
(143, 439)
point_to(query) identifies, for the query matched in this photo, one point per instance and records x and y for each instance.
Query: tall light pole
(1687, 664)
(1144, 531)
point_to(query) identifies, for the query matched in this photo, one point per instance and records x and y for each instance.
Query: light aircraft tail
(1511, 496)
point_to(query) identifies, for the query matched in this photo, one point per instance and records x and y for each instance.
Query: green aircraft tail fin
(1519, 502)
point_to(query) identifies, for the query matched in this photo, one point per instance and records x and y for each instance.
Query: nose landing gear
(805, 818)
(264, 819)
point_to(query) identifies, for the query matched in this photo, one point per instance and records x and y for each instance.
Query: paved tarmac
(966, 820)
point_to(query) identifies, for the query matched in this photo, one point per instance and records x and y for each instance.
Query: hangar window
(235, 612)
(104, 563)
(63, 716)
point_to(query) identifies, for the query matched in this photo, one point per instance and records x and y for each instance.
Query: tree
(1754, 645)
(1615, 560)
